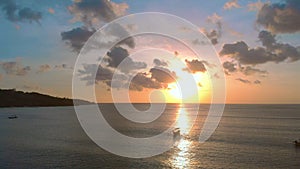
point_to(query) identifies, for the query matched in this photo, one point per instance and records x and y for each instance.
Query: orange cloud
(51, 10)
(231, 4)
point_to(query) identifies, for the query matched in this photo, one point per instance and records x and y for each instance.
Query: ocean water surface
(248, 136)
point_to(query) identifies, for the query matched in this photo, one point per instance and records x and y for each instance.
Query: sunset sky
(257, 42)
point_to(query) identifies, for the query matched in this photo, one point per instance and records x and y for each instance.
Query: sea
(247, 136)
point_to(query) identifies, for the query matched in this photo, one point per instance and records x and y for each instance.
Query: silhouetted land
(13, 98)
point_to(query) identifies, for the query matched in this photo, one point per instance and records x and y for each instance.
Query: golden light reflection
(183, 121)
(181, 156)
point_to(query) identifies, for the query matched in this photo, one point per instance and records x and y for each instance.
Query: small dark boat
(13, 116)
(297, 143)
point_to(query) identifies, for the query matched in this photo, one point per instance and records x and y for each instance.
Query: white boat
(13, 116)
(176, 132)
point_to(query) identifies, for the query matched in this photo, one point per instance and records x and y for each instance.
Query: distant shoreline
(12, 98)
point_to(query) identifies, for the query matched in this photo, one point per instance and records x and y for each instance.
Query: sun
(174, 92)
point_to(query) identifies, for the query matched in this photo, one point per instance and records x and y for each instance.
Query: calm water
(248, 136)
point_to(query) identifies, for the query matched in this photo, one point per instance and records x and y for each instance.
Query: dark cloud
(216, 33)
(267, 39)
(241, 52)
(163, 75)
(281, 17)
(16, 13)
(248, 70)
(141, 81)
(281, 50)
(257, 82)
(195, 66)
(91, 12)
(213, 35)
(14, 68)
(77, 37)
(229, 67)
(159, 63)
(92, 73)
(94, 13)
(117, 55)
(272, 51)
(63, 66)
(243, 80)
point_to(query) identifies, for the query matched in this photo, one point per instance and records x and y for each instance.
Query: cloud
(243, 80)
(229, 67)
(195, 66)
(119, 9)
(77, 37)
(62, 66)
(245, 55)
(44, 68)
(272, 51)
(248, 70)
(159, 63)
(231, 4)
(215, 18)
(15, 68)
(93, 73)
(141, 80)
(255, 6)
(282, 17)
(92, 12)
(51, 10)
(200, 42)
(257, 82)
(117, 30)
(117, 55)
(15, 13)
(213, 34)
(282, 51)
(163, 75)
